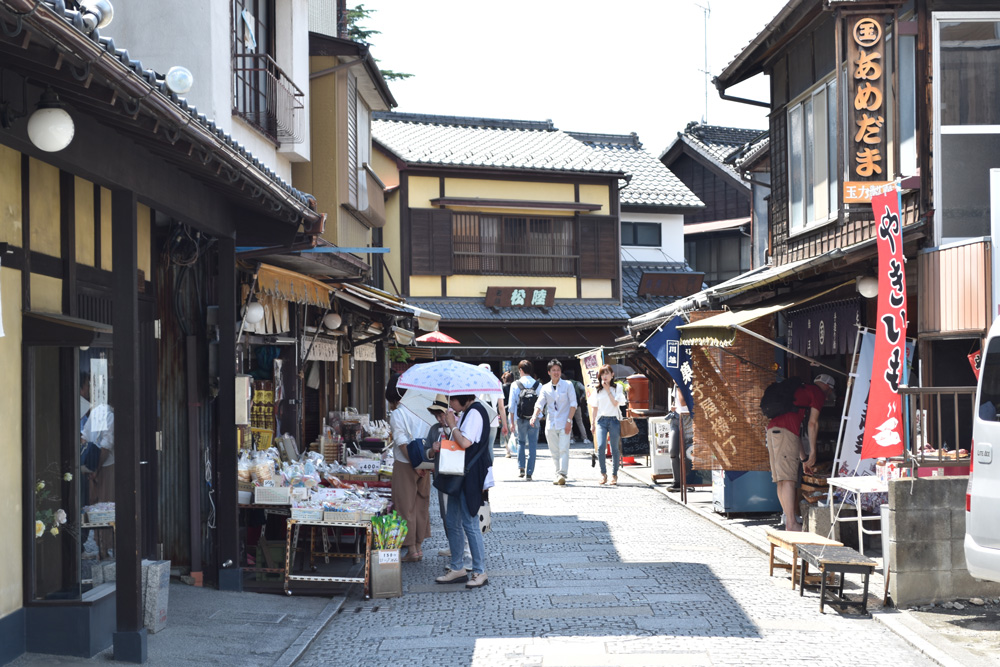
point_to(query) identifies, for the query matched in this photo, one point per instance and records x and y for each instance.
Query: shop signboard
(884, 423)
(665, 345)
(520, 297)
(590, 364)
(867, 166)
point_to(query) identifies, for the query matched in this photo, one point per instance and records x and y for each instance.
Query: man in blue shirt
(558, 400)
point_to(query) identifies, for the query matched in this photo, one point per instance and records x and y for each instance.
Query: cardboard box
(386, 574)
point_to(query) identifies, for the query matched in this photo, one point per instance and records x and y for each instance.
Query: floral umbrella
(451, 378)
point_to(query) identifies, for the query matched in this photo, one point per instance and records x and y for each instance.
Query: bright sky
(588, 65)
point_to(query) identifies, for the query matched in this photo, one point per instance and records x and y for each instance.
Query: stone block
(916, 525)
(915, 557)
(916, 588)
(817, 520)
(110, 570)
(958, 524)
(958, 556)
(927, 493)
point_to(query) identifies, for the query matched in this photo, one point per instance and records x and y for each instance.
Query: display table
(836, 561)
(857, 486)
(291, 541)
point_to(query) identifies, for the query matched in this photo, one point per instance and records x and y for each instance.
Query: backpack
(779, 397)
(526, 400)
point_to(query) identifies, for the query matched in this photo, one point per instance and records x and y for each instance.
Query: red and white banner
(884, 420)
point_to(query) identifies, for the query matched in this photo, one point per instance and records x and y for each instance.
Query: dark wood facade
(723, 200)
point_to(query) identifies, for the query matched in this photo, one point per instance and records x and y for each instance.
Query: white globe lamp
(50, 127)
(255, 313)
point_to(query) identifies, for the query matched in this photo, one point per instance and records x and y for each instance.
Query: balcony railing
(939, 424)
(265, 97)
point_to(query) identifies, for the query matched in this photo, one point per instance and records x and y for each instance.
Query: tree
(359, 33)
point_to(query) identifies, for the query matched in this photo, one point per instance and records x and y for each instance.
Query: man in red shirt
(785, 445)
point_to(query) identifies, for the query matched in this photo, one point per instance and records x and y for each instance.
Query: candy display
(389, 531)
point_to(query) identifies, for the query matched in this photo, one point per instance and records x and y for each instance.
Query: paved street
(588, 575)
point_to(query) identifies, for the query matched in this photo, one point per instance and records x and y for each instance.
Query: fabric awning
(291, 286)
(720, 330)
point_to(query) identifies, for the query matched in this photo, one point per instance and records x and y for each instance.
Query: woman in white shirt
(605, 416)
(411, 489)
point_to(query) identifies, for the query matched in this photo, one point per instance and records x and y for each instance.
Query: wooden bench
(791, 540)
(835, 560)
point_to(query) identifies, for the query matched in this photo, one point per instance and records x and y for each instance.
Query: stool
(790, 540)
(837, 561)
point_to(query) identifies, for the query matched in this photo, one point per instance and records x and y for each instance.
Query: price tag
(388, 557)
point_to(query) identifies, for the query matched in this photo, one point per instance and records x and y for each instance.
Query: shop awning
(372, 299)
(525, 342)
(291, 286)
(714, 226)
(720, 330)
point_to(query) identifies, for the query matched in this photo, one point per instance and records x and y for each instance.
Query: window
(359, 145)
(812, 157)
(719, 258)
(263, 95)
(513, 245)
(967, 125)
(641, 233)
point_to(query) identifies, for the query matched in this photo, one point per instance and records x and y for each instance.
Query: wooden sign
(867, 99)
(861, 192)
(520, 297)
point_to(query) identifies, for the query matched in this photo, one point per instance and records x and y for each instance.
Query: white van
(982, 497)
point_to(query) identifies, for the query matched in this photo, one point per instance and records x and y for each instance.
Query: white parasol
(451, 378)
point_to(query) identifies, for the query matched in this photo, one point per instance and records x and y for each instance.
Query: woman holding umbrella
(411, 489)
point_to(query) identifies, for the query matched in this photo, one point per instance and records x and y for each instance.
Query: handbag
(451, 485)
(451, 459)
(485, 518)
(629, 428)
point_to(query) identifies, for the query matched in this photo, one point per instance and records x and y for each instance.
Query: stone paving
(591, 575)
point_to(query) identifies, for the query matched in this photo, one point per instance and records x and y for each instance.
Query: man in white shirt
(558, 400)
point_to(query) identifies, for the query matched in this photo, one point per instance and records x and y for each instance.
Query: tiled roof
(472, 309)
(652, 184)
(155, 80)
(486, 142)
(632, 273)
(716, 143)
(751, 151)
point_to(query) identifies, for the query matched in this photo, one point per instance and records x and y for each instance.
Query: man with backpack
(523, 396)
(786, 404)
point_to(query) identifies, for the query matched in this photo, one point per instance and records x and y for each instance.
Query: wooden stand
(836, 561)
(792, 540)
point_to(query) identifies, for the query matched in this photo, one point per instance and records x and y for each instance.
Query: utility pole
(707, 9)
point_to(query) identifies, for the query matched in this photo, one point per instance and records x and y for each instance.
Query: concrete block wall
(926, 556)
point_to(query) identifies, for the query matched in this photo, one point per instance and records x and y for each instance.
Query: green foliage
(399, 355)
(359, 33)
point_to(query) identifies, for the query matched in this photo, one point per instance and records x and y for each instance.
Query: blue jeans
(461, 526)
(609, 429)
(527, 436)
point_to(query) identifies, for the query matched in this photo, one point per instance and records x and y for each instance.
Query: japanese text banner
(884, 422)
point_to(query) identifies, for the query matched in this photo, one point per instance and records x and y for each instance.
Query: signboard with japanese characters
(867, 162)
(884, 420)
(520, 297)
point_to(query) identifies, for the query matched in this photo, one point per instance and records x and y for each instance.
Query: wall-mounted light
(332, 321)
(179, 80)
(255, 313)
(50, 127)
(96, 14)
(867, 286)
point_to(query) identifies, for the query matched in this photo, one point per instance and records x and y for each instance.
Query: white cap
(826, 379)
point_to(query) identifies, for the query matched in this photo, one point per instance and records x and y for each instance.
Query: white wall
(671, 238)
(196, 34)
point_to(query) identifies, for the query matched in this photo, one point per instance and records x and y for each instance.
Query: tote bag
(451, 459)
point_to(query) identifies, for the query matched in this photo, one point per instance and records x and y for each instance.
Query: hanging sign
(590, 364)
(975, 359)
(868, 166)
(884, 421)
(675, 357)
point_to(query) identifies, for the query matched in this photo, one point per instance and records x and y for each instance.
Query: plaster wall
(425, 286)
(83, 199)
(475, 286)
(595, 288)
(10, 196)
(671, 238)
(11, 526)
(43, 180)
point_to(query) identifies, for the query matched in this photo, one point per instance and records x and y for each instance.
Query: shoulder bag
(628, 426)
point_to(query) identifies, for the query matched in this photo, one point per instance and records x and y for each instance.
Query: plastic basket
(272, 495)
(342, 517)
(307, 514)
(101, 517)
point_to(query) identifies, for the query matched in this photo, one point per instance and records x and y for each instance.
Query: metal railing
(940, 424)
(265, 97)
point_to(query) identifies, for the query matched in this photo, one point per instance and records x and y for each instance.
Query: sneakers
(520, 472)
(560, 481)
(445, 552)
(528, 477)
(477, 580)
(455, 577)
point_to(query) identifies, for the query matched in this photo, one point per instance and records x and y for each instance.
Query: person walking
(684, 439)
(411, 489)
(605, 417)
(507, 380)
(472, 433)
(523, 398)
(558, 401)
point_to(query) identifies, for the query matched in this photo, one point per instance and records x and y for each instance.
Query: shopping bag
(512, 446)
(485, 518)
(489, 482)
(451, 459)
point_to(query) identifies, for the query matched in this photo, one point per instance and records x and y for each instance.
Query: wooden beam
(130, 638)
(485, 202)
(227, 516)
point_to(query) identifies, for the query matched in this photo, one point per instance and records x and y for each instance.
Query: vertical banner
(674, 356)
(884, 422)
(590, 363)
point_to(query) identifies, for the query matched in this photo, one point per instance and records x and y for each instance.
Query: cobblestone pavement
(592, 575)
